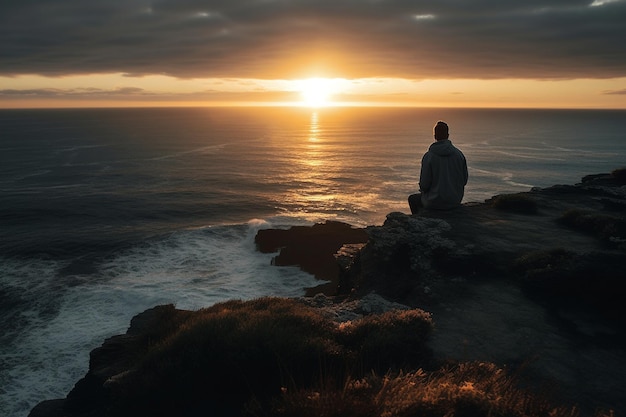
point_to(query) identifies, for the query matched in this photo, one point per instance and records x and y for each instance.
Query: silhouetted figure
(443, 175)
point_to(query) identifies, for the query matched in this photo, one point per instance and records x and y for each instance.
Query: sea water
(107, 212)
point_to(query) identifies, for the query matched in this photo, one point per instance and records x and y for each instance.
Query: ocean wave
(202, 150)
(525, 156)
(59, 317)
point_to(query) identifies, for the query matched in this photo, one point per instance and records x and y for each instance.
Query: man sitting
(443, 175)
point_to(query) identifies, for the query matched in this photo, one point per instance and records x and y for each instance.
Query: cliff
(529, 282)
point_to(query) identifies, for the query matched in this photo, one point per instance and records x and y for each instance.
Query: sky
(432, 53)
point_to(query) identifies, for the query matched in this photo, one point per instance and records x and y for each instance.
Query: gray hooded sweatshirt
(443, 176)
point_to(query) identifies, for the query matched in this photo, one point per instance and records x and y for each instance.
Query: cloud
(416, 39)
(73, 92)
(136, 93)
(615, 92)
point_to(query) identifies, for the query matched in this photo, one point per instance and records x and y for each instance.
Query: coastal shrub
(394, 339)
(164, 322)
(619, 175)
(237, 353)
(473, 389)
(518, 203)
(549, 273)
(609, 229)
(235, 350)
(560, 277)
(275, 357)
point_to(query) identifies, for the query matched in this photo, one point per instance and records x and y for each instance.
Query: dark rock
(312, 248)
(399, 259)
(49, 408)
(92, 393)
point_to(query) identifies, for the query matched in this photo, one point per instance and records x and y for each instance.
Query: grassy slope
(278, 357)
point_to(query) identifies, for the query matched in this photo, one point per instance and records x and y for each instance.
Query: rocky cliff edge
(532, 281)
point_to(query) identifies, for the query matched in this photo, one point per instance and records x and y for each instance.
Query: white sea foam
(527, 156)
(37, 173)
(203, 150)
(190, 269)
(80, 147)
(508, 179)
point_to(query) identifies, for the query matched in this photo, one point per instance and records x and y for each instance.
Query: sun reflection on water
(319, 170)
(324, 158)
(314, 148)
(314, 127)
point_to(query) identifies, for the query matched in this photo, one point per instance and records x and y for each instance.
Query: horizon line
(297, 105)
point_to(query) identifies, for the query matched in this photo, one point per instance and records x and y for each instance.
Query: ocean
(107, 212)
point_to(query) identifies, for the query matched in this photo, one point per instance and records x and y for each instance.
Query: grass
(619, 175)
(609, 229)
(247, 351)
(472, 389)
(518, 203)
(559, 277)
(274, 357)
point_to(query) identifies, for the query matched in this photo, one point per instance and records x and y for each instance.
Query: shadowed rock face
(409, 257)
(534, 286)
(312, 248)
(116, 356)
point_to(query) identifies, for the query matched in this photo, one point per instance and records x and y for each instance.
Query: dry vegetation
(619, 175)
(518, 203)
(277, 357)
(467, 389)
(610, 229)
(560, 277)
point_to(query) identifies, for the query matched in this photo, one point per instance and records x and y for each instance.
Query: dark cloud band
(483, 39)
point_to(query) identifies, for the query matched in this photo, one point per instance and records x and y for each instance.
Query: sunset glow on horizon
(206, 53)
(119, 90)
(316, 92)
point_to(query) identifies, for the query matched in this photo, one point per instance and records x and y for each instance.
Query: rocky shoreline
(529, 281)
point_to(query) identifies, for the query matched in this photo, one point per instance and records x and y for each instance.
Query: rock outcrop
(579, 231)
(528, 280)
(114, 358)
(313, 249)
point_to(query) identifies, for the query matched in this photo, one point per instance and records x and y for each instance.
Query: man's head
(441, 130)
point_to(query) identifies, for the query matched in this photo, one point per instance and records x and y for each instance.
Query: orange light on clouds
(120, 90)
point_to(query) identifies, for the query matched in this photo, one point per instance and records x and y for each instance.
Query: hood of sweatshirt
(442, 147)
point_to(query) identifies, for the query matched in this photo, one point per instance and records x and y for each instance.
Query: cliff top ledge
(528, 279)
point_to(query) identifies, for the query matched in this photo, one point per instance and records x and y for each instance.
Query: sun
(316, 92)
